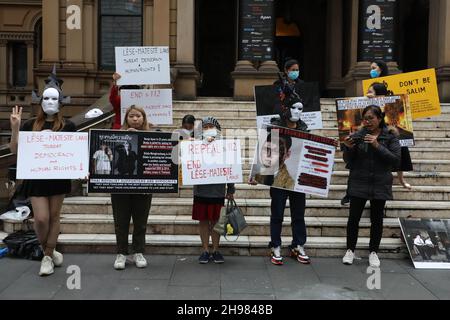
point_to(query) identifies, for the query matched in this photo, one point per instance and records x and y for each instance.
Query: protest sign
(156, 103)
(268, 104)
(211, 163)
(294, 160)
(133, 162)
(396, 108)
(421, 86)
(143, 65)
(428, 242)
(52, 155)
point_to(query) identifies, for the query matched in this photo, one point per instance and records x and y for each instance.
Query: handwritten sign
(421, 86)
(143, 65)
(52, 155)
(211, 163)
(156, 103)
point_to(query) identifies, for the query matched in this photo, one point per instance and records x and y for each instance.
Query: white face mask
(296, 112)
(210, 133)
(50, 101)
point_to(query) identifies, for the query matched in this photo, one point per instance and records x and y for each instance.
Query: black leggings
(376, 218)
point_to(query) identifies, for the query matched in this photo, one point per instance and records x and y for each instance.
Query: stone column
(186, 76)
(439, 45)
(74, 38)
(148, 22)
(335, 82)
(50, 31)
(161, 22)
(4, 70)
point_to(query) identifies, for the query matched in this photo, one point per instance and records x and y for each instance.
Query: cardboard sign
(268, 104)
(143, 65)
(156, 103)
(428, 242)
(52, 155)
(421, 86)
(396, 108)
(211, 163)
(294, 160)
(133, 162)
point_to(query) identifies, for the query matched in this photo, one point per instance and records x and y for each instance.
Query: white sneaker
(119, 264)
(139, 260)
(348, 258)
(374, 262)
(57, 258)
(46, 266)
(276, 258)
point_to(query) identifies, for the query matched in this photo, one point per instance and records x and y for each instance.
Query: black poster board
(132, 162)
(256, 30)
(377, 30)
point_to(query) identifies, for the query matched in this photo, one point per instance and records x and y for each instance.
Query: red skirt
(206, 211)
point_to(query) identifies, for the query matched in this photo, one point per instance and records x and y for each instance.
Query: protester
(209, 200)
(115, 100)
(290, 78)
(289, 118)
(46, 195)
(371, 154)
(127, 206)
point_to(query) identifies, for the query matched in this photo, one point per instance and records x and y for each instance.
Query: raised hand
(16, 118)
(116, 76)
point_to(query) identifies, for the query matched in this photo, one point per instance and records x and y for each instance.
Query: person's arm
(391, 153)
(230, 191)
(349, 150)
(15, 120)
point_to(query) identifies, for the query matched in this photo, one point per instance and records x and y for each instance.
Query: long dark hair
(376, 110)
(380, 89)
(383, 67)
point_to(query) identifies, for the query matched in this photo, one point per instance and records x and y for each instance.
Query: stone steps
(243, 246)
(261, 207)
(170, 225)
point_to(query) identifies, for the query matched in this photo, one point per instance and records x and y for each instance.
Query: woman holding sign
(209, 200)
(131, 206)
(371, 154)
(46, 196)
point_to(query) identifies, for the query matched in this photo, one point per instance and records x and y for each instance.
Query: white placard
(156, 103)
(211, 163)
(143, 65)
(52, 155)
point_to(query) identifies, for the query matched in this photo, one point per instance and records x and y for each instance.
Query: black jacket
(371, 169)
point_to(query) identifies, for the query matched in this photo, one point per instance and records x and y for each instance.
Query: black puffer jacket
(371, 169)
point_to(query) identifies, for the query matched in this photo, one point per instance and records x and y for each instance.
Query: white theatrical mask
(296, 112)
(50, 101)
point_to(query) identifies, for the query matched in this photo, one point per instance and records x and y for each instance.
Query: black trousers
(125, 207)
(297, 205)
(376, 219)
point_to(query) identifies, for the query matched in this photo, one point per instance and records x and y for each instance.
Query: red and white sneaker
(276, 259)
(299, 254)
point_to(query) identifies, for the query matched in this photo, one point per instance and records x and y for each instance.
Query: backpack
(24, 244)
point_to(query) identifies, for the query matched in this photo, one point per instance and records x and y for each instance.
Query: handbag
(232, 221)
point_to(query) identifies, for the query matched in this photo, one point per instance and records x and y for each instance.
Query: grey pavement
(240, 278)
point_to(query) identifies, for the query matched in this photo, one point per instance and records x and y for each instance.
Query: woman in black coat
(372, 154)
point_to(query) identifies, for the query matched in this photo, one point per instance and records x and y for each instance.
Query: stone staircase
(87, 222)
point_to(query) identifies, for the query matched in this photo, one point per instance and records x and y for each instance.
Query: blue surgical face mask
(374, 73)
(293, 75)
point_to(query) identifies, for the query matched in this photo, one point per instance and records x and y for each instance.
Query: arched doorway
(216, 43)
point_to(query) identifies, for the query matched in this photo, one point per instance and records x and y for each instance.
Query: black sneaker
(345, 200)
(217, 257)
(204, 258)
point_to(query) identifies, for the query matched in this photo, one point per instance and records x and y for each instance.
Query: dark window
(19, 64)
(120, 26)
